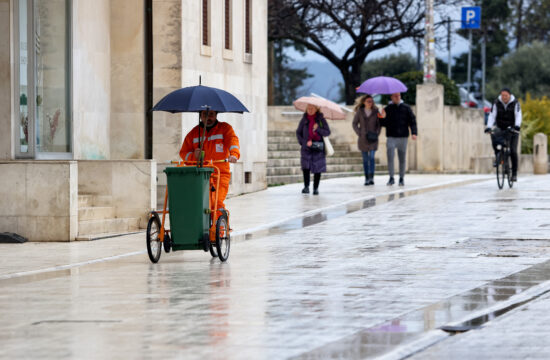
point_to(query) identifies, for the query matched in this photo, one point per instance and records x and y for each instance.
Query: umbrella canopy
(199, 98)
(382, 85)
(330, 109)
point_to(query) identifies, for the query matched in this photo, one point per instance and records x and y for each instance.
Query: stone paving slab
(291, 294)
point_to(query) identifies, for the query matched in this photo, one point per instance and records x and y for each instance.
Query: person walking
(366, 125)
(505, 113)
(310, 132)
(399, 118)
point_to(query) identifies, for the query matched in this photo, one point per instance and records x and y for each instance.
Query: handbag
(372, 137)
(317, 146)
(329, 150)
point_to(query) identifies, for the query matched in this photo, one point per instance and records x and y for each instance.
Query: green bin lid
(187, 170)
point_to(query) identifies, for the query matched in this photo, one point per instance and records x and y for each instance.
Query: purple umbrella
(382, 85)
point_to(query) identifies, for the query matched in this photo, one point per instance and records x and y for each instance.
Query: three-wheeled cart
(195, 222)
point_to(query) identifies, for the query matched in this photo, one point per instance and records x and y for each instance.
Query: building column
(429, 119)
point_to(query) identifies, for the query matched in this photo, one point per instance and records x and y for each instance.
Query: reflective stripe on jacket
(220, 143)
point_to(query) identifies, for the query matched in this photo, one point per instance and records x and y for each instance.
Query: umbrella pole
(202, 139)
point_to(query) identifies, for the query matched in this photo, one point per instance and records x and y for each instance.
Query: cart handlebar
(195, 162)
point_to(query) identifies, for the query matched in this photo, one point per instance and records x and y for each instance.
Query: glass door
(44, 79)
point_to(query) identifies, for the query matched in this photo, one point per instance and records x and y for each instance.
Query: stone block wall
(39, 199)
(130, 183)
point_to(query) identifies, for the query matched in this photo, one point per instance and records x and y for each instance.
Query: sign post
(471, 19)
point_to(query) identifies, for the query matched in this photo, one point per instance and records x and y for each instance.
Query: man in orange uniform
(220, 143)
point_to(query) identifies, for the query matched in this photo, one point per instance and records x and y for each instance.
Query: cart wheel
(222, 237)
(167, 242)
(154, 247)
(213, 250)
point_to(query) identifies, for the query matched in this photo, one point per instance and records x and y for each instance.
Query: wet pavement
(357, 272)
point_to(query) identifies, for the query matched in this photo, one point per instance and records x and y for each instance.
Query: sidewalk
(252, 215)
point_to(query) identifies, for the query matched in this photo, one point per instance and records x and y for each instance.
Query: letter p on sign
(471, 17)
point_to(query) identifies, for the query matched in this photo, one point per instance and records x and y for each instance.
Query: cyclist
(505, 113)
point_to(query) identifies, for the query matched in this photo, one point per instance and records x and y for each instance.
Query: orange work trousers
(223, 188)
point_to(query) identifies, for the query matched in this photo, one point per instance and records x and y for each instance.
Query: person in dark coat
(399, 118)
(366, 124)
(312, 128)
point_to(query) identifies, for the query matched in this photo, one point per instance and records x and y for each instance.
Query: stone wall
(6, 135)
(91, 74)
(39, 199)
(449, 140)
(130, 183)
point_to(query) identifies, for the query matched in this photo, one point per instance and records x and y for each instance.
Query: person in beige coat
(366, 125)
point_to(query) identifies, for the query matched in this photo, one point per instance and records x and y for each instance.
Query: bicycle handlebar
(508, 129)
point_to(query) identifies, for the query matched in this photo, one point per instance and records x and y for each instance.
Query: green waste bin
(188, 193)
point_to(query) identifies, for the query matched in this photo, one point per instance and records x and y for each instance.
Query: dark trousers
(368, 162)
(496, 138)
(316, 179)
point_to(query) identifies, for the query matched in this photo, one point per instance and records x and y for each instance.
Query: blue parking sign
(471, 17)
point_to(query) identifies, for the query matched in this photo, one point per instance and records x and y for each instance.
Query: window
(247, 177)
(206, 22)
(43, 103)
(248, 26)
(227, 25)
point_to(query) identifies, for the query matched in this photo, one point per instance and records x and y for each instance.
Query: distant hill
(325, 81)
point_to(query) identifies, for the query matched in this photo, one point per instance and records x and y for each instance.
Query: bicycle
(503, 160)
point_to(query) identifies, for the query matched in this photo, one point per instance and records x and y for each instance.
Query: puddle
(380, 339)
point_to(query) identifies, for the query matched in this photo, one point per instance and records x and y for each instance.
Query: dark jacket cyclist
(505, 113)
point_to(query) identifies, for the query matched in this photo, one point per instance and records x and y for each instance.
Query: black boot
(305, 190)
(391, 181)
(371, 179)
(367, 180)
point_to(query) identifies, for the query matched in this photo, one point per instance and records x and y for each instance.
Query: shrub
(536, 118)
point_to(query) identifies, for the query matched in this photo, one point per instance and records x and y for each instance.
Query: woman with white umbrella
(310, 132)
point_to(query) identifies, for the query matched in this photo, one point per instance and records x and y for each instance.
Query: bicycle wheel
(500, 170)
(508, 164)
(154, 246)
(223, 242)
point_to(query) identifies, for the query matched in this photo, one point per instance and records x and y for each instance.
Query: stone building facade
(77, 80)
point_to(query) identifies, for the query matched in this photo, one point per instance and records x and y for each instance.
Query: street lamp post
(429, 45)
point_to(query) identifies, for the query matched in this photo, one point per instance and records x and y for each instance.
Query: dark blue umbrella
(199, 98)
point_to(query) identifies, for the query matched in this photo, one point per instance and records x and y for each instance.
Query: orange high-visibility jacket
(220, 143)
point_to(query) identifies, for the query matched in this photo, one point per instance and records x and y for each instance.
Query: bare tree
(366, 25)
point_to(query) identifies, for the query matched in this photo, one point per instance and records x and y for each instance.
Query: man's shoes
(305, 190)
(391, 181)
(514, 178)
(367, 181)
(401, 182)
(315, 192)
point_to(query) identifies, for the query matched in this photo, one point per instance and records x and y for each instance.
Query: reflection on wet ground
(382, 338)
(338, 211)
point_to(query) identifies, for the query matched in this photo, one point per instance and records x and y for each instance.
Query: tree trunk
(352, 79)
